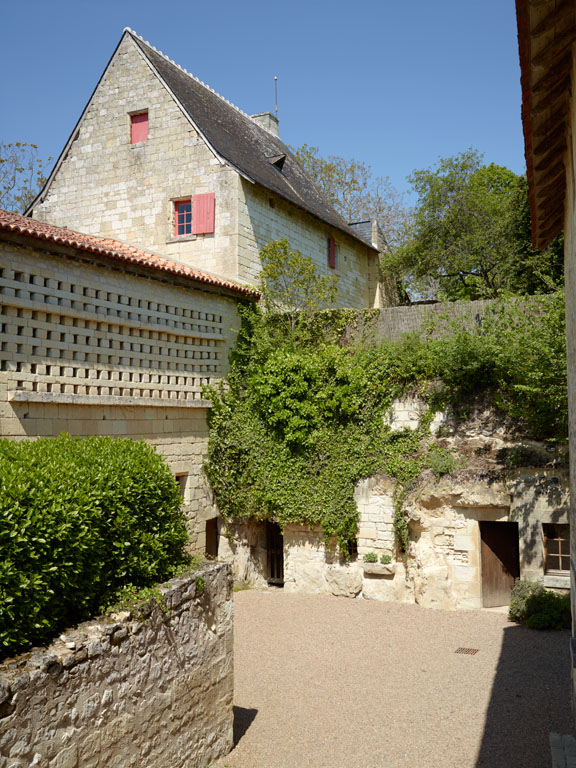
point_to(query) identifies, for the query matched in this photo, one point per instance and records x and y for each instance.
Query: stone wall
(105, 185)
(505, 479)
(264, 217)
(108, 186)
(90, 348)
(127, 691)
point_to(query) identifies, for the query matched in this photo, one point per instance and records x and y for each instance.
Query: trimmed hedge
(79, 519)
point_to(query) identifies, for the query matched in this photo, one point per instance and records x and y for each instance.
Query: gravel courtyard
(324, 681)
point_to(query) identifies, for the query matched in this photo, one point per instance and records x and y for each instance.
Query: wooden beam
(550, 124)
(550, 156)
(551, 173)
(555, 47)
(552, 139)
(548, 233)
(552, 98)
(562, 11)
(552, 75)
(539, 3)
(550, 191)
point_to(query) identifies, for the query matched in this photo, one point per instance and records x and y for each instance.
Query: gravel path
(324, 681)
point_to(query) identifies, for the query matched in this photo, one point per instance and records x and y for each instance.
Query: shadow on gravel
(530, 698)
(243, 719)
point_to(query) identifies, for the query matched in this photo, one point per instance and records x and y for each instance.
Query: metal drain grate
(468, 651)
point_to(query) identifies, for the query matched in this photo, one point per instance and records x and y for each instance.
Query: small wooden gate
(500, 562)
(275, 549)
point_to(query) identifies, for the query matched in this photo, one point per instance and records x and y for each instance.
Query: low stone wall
(153, 692)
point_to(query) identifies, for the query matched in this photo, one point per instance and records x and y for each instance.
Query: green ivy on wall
(301, 418)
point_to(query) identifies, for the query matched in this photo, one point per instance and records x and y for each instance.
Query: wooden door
(500, 562)
(275, 549)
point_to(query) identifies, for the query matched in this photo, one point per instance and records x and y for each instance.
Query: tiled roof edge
(13, 222)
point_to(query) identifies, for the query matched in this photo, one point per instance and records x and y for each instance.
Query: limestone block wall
(89, 348)
(108, 186)
(243, 545)
(443, 566)
(264, 217)
(149, 691)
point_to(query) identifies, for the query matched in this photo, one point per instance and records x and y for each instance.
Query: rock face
(518, 485)
(150, 691)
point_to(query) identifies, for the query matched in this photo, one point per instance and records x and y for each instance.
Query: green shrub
(548, 610)
(385, 559)
(370, 557)
(441, 461)
(80, 518)
(539, 608)
(520, 593)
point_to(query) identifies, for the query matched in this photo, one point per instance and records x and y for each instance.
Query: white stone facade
(91, 347)
(105, 185)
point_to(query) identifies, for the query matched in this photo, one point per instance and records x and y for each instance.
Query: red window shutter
(203, 214)
(331, 253)
(138, 127)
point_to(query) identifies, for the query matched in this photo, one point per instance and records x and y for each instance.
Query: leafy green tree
(354, 191)
(22, 175)
(290, 285)
(469, 235)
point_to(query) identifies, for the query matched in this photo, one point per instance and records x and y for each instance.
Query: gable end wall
(108, 186)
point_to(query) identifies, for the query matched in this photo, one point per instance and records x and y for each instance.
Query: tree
(353, 190)
(22, 175)
(469, 235)
(290, 285)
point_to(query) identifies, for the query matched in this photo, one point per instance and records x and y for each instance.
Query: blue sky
(394, 84)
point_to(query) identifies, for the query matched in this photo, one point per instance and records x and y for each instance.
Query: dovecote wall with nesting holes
(91, 347)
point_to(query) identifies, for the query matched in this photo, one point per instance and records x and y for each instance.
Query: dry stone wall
(126, 691)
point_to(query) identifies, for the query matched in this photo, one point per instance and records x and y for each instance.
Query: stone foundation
(147, 692)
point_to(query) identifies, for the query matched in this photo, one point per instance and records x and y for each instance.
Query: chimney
(268, 121)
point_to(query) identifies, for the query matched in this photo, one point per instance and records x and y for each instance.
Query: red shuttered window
(203, 214)
(139, 127)
(182, 217)
(331, 253)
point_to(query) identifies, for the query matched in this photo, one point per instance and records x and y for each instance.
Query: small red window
(183, 217)
(203, 214)
(331, 253)
(138, 127)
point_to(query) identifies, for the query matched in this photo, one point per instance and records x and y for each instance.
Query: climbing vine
(302, 416)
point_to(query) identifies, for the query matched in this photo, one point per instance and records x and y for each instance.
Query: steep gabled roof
(240, 141)
(113, 249)
(233, 136)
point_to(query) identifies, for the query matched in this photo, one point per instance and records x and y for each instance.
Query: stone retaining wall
(154, 691)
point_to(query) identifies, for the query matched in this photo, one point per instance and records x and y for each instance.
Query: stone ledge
(60, 398)
(556, 581)
(379, 569)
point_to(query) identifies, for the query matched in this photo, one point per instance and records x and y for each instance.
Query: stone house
(547, 40)
(161, 161)
(101, 338)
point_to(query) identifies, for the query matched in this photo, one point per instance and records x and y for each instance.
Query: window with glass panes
(183, 217)
(556, 547)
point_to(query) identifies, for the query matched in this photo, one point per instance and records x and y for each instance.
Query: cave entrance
(500, 562)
